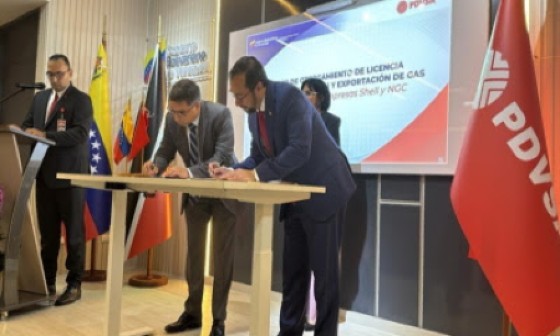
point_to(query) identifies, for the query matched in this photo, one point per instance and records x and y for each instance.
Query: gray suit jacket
(215, 140)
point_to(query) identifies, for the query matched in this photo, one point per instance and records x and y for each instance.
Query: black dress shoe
(217, 330)
(185, 322)
(70, 295)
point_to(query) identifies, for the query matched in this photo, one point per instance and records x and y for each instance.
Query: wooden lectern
(264, 195)
(22, 279)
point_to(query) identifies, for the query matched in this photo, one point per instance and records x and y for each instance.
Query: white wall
(75, 28)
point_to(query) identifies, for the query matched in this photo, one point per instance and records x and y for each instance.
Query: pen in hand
(217, 171)
(150, 169)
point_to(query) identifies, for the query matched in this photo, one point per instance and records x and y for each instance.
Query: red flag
(117, 153)
(151, 222)
(140, 138)
(154, 225)
(502, 191)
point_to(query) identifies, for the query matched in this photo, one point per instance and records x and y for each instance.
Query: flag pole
(93, 274)
(149, 279)
(506, 330)
(129, 104)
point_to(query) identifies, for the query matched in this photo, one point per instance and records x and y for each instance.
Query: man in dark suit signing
(290, 143)
(62, 114)
(202, 133)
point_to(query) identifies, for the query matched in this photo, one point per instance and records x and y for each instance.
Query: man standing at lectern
(202, 133)
(290, 143)
(62, 114)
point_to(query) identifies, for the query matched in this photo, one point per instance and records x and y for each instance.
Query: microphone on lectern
(35, 86)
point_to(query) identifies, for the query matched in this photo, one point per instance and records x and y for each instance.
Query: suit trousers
(54, 207)
(198, 214)
(311, 303)
(310, 245)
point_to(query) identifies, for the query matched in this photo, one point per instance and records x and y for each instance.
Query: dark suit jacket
(332, 122)
(304, 152)
(71, 152)
(215, 140)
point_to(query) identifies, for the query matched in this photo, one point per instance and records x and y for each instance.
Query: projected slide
(387, 65)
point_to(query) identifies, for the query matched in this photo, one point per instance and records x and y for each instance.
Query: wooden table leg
(115, 263)
(113, 294)
(262, 271)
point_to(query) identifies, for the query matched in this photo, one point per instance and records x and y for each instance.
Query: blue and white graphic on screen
(385, 64)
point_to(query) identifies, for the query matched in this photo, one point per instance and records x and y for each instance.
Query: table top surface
(256, 192)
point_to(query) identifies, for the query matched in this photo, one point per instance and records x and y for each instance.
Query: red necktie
(51, 108)
(264, 133)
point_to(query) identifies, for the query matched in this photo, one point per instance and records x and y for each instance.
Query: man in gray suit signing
(201, 132)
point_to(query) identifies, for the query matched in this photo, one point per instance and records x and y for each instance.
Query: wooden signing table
(263, 195)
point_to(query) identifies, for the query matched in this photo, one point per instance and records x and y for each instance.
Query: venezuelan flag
(149, 64)
(97, 213)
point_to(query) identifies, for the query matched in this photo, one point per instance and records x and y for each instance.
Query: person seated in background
(319, 95)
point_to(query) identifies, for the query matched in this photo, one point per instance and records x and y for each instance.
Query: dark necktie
(193, 155)
(51, 108)
(263, 133)
(193, 145)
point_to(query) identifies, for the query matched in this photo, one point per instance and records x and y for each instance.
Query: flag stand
(94, 275)
(149, 279)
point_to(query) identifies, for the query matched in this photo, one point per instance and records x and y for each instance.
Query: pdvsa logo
(403, 6)
(494, 81)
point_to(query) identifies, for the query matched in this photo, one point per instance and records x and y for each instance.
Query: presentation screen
(389, 68)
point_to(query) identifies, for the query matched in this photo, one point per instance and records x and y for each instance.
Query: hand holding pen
(150, 169)
(217, 171)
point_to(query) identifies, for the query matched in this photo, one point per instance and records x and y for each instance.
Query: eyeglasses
(309, 93)
(58, 75)
(242, 96)
(185, 111)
